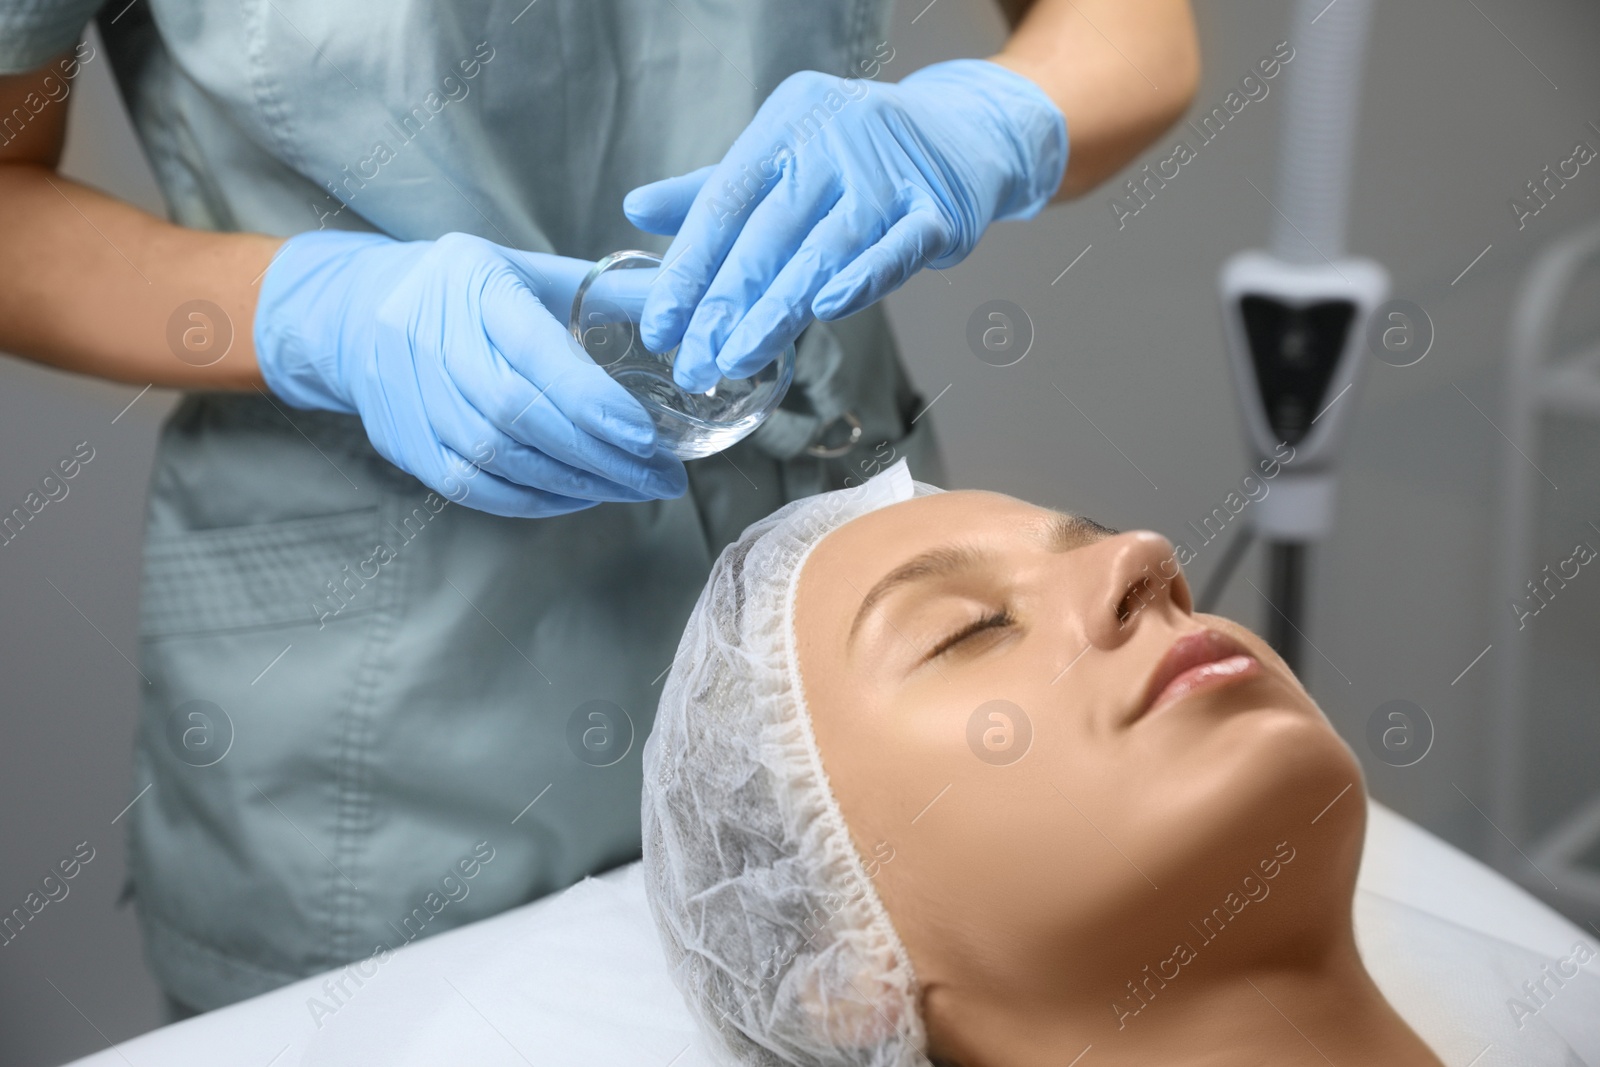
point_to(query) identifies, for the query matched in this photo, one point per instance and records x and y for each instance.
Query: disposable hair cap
(772, 928)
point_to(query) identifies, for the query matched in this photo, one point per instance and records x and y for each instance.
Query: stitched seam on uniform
(273, 110)
(858, 35)
(290, 534)
(250, 576)
(338, 905)
(869, 17)
(196, 609)
(352, 775)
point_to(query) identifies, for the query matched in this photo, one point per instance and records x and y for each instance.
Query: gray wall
(1457, 117)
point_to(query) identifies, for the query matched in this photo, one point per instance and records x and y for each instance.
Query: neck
(1331, 1013)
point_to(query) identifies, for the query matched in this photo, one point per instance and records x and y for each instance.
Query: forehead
(872, 544)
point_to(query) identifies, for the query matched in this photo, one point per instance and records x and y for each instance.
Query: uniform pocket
(271, 574)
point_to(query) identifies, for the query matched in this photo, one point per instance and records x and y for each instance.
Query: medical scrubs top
(371, 714)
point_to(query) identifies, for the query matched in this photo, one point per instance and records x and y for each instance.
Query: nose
(1143, 579)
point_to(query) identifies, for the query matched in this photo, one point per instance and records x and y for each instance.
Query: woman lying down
(949, 777)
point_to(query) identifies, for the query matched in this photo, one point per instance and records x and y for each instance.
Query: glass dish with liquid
(605, 321)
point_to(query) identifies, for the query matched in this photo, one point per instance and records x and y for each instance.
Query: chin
(1296, 763)
(1266, 773)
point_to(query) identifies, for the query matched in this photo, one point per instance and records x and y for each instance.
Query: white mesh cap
(772, 929)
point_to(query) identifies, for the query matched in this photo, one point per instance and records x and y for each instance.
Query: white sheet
(1451, 943)
(578, 979)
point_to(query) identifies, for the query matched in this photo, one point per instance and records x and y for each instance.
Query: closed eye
(992, 621)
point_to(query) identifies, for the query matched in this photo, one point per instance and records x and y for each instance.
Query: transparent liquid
(605, 321)
(684, 424)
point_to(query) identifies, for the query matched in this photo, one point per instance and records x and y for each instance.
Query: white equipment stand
(1539, 382)
(1295, 316)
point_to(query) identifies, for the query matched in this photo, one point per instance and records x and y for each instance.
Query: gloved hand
(454, 354)
(836, 193)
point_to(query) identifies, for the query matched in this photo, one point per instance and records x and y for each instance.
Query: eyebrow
(1062, 533)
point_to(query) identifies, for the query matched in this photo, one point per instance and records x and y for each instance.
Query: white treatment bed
(578, 979)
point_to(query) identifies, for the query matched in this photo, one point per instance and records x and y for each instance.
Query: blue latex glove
(455, 354)
(836, 193)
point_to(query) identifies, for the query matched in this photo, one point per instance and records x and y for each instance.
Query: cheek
(1011, 856)
(981, 740)
(890, 766)
(984, 788)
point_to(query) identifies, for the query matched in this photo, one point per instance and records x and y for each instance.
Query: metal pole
(1286, 584)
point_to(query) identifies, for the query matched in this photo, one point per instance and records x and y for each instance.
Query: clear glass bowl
(605, 320)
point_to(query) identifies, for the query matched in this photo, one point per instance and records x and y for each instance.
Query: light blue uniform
(398, 678)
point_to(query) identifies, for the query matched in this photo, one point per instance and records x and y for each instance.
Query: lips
(1198, 661)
